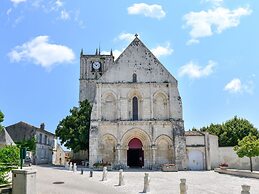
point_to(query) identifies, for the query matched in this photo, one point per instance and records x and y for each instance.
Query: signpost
(22, 156)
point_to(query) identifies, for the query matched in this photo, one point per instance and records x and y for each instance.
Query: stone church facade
(136, 117)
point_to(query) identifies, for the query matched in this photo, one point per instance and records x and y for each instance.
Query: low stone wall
(6, 189)
(240, 173)
(229, 156)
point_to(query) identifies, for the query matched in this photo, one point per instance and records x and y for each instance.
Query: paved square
(199, 182)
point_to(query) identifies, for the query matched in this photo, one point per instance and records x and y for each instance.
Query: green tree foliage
(9, 159)
(29, 144)
(73, 131)
(231, 131)
(249, 147)
(1, 120)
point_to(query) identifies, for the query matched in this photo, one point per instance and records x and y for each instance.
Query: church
(137, 118)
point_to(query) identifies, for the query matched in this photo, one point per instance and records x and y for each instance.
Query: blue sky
(210, 46)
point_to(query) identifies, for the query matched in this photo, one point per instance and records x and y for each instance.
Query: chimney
(42, 126)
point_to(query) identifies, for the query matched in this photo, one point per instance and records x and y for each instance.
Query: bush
(9, 159)
(101, 164)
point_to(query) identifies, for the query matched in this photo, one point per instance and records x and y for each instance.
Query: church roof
(5, 138)
(193, 133)
(138, 59)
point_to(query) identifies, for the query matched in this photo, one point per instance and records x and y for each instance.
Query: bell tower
(92, 67)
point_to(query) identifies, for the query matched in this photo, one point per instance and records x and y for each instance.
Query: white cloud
(126, 36)
(8, 11)
(64, 15)
(16, 2)
(214, 2)
(233, 86)
(206, 23)
(162, 50)
(153, 11)
(193, 70)
(236, 86)
(59, 3)
(41, 52)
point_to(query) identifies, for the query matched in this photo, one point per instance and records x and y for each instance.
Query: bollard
(121, 178)
(67, 166)
(91, 173)
(245, 189)
(70, 166)
(183, 186)
(74, 167)
(104, 174)
(146, 183)
(82, 171)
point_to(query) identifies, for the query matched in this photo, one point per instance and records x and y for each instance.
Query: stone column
(24, 181)
(118, 155)
(153, 148)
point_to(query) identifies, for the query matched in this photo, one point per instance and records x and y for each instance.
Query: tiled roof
(193, 133)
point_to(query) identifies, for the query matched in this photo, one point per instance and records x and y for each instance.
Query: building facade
(44, 140)
(136, 118)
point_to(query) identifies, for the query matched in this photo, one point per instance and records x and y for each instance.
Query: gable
(137, 59)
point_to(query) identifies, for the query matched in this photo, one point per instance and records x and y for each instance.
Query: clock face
(96, 65)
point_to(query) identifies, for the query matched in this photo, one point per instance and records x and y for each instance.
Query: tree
(249, 147)
(9, 159)
(1, 120)
(73, 130)
(29, 144)
(231, 131)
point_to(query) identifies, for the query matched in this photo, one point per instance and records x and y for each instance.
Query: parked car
(27, 161)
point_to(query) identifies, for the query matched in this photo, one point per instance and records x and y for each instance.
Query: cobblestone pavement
(199, 182)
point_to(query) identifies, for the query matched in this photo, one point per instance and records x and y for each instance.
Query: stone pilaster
(93, 145)
(179, 144)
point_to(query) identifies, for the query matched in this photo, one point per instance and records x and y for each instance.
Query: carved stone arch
(135, 95)
(109, 106)
(109, 135)
(166, 137)
(136, 133)
(161, 92)
(164, 152)
(109, 92)
(161, 105)
(135, 92)
(107, 148)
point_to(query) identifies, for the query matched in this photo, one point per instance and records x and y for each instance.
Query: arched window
(135, 108)
(134, 77)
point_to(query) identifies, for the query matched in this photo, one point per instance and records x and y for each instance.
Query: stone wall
(229, 156)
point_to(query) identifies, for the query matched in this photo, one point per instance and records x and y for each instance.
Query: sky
(210, 46)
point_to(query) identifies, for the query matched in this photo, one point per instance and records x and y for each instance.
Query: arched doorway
(135, 153)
